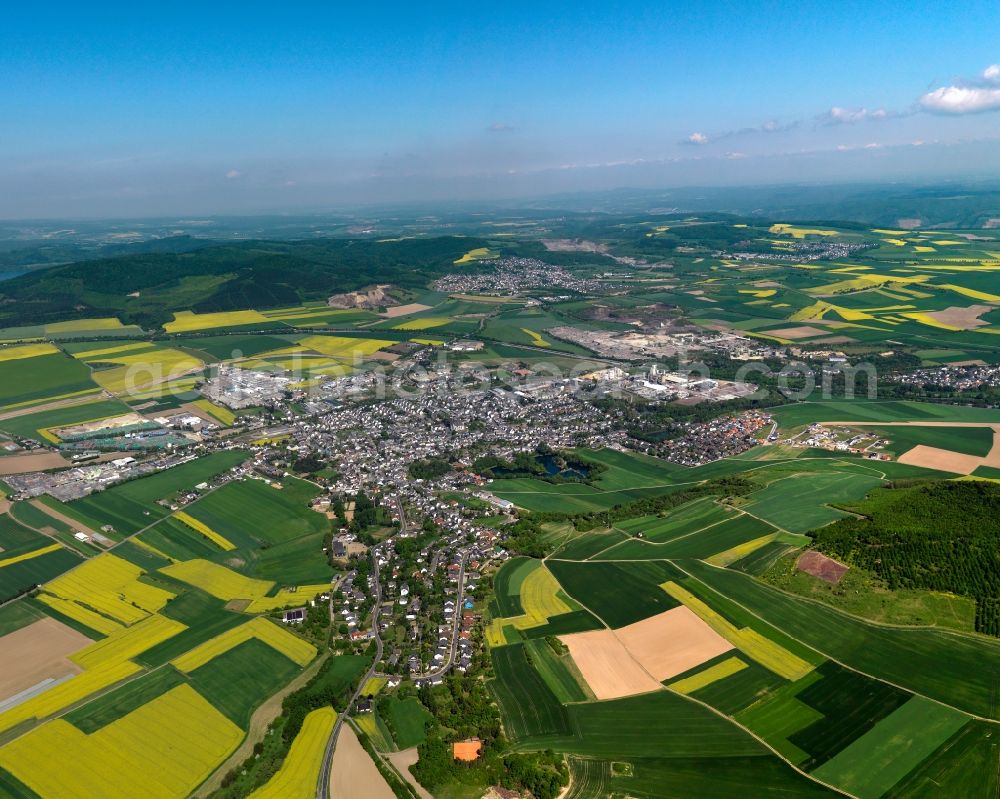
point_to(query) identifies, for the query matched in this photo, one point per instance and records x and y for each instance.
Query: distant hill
(224, 277)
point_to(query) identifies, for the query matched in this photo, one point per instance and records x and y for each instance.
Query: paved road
(323, 786)
(447, 664)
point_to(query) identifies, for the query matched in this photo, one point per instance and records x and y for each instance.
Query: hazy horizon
(236, 110)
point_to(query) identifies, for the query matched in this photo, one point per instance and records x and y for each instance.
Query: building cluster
(957, 378)
(663, 343)
(245, 388)
(702, 442)
(511, 277)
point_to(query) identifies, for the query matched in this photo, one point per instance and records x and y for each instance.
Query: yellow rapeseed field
(800, 232)
(116, 350)
(162, 750)
(142, 369)
(217, 580)
(425, 323)
(478, 254)
(930, 321)
(76, 325)
(536, 338)
(29, 555)
(287, 597)
(77, 612)
(127, 642)
(26, 351)
(186, 321)
(61, 696)
(756, 646)
(740, 551)
(110, 586)
(299, 773)
(540, 600)
(374, 685)
(293, 647)
(344, 346)
(219, 540)
(712, 674)
(224, 415)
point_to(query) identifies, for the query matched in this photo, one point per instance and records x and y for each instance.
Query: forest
(939, 536)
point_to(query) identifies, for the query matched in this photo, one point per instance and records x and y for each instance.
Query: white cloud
(992, 73)
(232, 174)
(851, 116)
(500, 127)
(961, 100)
(697, 138)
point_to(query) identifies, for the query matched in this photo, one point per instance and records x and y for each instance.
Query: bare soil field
(402, 761)
(403, 310)
(34, 462)
(944, 459)
(962, 318)
(671, 643)
(802, 331)
(606, 665)
(935, 458)
(353, 775)
(819, 565)
(37, 652)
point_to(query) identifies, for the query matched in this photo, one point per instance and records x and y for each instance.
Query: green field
(589, 544)
(555, 670)
(42, 377)
(237, 681)
(679, 522)
(952, 668)
(797, 505)
(653, 725)
(703, 543)
(507, 585)
(528, 705)
(17, 578)
(408, 719)
(252, 514)
(30, 424)
(617, 593)
(892, 748)
(133, 505)
(968, 440)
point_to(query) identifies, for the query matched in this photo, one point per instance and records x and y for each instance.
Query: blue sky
(225, 107)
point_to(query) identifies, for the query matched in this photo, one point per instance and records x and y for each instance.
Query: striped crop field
(763, 650)
(219, 540)
(270, 633)
(108, 585)
(168, 746)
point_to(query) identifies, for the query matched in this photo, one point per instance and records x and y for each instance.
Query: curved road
(447, 664)
(323, 785)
